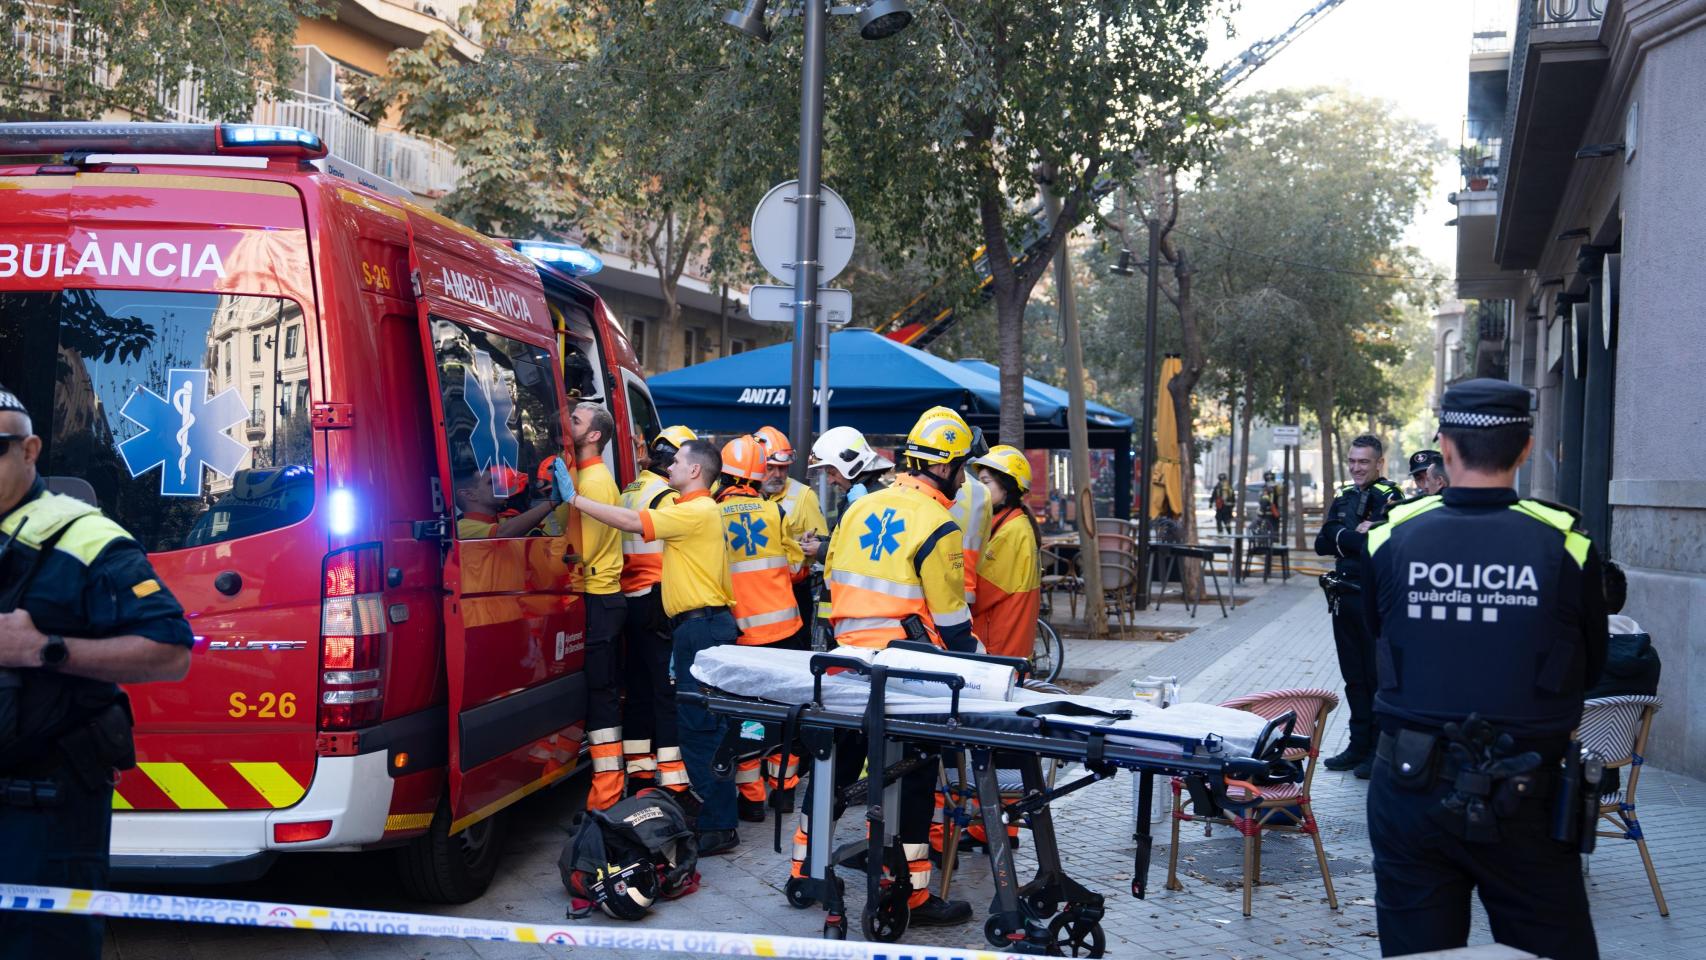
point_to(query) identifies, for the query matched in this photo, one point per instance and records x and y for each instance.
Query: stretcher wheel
(835, 928)
(795, 891)
(886, 922)
(996, 932)
(1070, 935)
(1042, 905)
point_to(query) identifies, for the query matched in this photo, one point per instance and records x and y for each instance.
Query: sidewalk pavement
(1280, 638)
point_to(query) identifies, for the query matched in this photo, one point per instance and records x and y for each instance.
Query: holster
(1415, 759)
(92, 752)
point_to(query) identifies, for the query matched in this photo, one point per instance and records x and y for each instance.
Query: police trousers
(1530, 884)
(1355, 646)
(60, 846)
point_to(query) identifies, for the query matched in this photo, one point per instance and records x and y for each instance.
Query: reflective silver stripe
(670, 778)
(632, 747)
(746, 775)
(642, 765)
(765, 619)
(636, 546)
(606, 764)
(762, 563)
(771, 765)
(638, 593)
(669, 754)
(864, 581)
(851, 624)
(954, 619)
(606, 735)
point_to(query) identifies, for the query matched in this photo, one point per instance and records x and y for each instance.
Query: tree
(947, 127)
(79, 60)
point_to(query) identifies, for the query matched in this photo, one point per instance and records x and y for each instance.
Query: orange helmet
(779, 450)
(743, 458)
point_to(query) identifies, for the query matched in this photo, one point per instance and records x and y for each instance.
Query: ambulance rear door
(514, 626)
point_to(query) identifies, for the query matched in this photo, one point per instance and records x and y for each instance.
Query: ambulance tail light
(352, 638)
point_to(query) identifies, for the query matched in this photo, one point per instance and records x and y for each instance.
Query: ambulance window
(581, 367)
(642, 416)
(141, 394)
(500, 421)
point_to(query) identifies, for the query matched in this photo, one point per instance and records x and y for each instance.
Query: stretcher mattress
(785, 677)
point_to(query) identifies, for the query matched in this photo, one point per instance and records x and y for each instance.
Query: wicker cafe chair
(1286, 807)
(1120, 586)
(1616, 728)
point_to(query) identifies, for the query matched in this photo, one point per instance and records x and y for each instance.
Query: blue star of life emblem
(882, 535)
(182, 431)
(494, 443)
(747, 533)
(951, 435)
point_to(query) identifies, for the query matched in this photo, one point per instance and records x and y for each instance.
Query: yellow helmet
(939, 436)
(1010, 461)
(674, 436)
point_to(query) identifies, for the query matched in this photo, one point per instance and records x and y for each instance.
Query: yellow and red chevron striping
(212, 786)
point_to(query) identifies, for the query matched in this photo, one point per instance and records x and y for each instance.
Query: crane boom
(1238, 69)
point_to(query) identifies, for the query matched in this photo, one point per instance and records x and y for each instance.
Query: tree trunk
(1181, 387)
(1329, 459)
(1010, 357)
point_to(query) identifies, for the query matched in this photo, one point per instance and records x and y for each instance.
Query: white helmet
(845, 449)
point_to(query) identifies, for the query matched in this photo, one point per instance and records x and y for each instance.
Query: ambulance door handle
(229, 583)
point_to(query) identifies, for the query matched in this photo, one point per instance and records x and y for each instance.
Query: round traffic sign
(775, 231)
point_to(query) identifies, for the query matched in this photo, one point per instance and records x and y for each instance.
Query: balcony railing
(1562, 13)
(426, 167)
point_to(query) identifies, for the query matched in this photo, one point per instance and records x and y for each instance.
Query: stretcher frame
(1017, 916)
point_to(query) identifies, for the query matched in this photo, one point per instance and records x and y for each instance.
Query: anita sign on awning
(777, 396)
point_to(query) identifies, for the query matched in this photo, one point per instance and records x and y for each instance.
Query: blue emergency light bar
(573, 260)
(190, 139)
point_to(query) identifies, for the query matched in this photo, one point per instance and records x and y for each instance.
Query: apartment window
(637, 339)
(301, 395)
(284, 398)
(255, 348)
(689, 346)
(290, 341)
(257, 416)
(737, 345)
(225, 346)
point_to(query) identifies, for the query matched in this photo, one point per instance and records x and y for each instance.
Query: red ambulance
(320, 408)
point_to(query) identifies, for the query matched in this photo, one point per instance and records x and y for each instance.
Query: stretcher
(910, 703)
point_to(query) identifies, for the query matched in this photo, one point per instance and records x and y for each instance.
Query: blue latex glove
(565, 483)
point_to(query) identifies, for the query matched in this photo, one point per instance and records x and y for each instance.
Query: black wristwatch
(54, 652)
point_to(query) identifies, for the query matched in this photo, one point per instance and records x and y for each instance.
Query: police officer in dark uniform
(82, 612)
(1427, 472)
(1491, 624)
(1360, 505)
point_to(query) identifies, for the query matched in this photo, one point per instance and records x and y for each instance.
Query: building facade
(1586, 226)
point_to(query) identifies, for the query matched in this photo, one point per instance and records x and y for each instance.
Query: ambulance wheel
(1070, 935)
(444, 867)
(795, 891)
(886, 922)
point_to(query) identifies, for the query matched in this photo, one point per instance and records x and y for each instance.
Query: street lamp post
(878, 20)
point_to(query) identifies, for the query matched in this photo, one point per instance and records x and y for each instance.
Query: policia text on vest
(83, 608)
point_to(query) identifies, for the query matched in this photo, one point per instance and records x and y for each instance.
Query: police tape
(158, 906)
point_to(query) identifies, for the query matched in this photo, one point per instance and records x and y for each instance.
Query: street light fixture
(877, 20)
(884, 19)
(1123, 268)
(750, 20)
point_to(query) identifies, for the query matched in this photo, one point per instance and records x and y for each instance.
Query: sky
(1414, 53)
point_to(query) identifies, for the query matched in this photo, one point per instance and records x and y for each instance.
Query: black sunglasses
(6, 441)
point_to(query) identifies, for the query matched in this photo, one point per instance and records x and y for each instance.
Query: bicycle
(1048, 651)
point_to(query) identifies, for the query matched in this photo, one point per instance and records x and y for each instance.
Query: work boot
(1346, 760)
(1365, 769)
(788, 800)
(936, 912)
(751, 811)
(714, 842)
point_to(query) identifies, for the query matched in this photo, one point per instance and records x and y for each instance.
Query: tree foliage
(79, 60)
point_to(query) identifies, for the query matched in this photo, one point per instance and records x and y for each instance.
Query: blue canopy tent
(878, 386)
(1042, 394)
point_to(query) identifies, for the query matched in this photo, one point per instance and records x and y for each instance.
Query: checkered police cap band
(1463, 418)
(10, 401)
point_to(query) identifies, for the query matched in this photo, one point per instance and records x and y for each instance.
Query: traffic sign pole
(806, 237)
